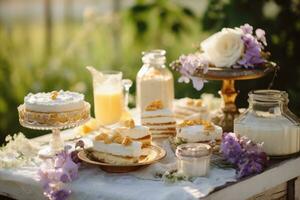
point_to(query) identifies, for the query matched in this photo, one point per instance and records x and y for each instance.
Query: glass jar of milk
(269, 120)
(154, 80)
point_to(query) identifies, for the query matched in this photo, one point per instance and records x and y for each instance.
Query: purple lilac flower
(251, 162)
(247, 29)
(247, 156)
(252, 54)
(56, 172)
(71, 168)
(64, 162)
(191, 64)
(60, 194)
(231, 148)
(198, 83)
(65, 178)
(260, 35)
(60, 160)
(43, 178)
(253, 46)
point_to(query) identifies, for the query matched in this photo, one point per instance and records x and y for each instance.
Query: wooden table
(279, 180)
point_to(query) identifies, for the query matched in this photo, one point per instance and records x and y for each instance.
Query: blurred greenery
(36, 56)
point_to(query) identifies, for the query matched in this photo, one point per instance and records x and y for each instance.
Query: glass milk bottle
(154, 80)
(269, 120)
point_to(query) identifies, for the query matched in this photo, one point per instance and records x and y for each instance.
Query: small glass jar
(154, 80)
(269, 120)
(193, 159)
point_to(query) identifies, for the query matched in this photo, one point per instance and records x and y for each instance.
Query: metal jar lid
(193, 150)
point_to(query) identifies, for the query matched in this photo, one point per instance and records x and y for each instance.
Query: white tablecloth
(93, 183)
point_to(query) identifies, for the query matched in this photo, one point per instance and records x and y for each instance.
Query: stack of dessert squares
(188, 108)
(160, 120)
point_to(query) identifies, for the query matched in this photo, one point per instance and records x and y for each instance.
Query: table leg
(291, 189)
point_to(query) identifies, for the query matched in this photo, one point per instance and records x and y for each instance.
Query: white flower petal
(183, 79)
(224, 48)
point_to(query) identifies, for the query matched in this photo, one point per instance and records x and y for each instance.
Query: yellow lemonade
(108, 107)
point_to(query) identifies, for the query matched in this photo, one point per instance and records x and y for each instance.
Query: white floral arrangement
(19, 151)
(237, 48)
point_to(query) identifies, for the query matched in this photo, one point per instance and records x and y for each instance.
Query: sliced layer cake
(116, 149)
(186, 107)
(160, 120)
(199, 131)
(135, 132)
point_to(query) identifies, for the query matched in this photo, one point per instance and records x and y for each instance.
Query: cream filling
(65, 101)
(158, 120)
(189, 109)
(156, 132)
(197, 133)
(183, 111)
(157, 113)
(132, 150)
(135, 133)
(205, 116)
(162, 126)
(182, 104)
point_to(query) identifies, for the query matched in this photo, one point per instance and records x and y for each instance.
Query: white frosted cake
(160, 120)
(198, 131)
(61, 101)
(186, 107)
(135, 132)
(54, 109)
(116, 149)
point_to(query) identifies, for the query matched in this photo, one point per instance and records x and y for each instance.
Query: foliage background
(49, 50)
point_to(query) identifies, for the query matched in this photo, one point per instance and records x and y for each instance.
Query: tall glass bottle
(154, 80)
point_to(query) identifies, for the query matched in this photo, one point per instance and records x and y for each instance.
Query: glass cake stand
(225, 116)
(54, 122)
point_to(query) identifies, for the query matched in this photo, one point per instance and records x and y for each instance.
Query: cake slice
(199, 131)
(135, 132)
(160, 120)
(116, 149)
(186, 107)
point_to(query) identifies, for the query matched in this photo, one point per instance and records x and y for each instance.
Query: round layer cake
(57, 108)
(61, 101)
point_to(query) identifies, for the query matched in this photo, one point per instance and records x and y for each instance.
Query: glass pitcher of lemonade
(108, 96)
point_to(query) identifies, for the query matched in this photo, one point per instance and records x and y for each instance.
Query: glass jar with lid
(154, 80)
(193, 159)
(269, 120)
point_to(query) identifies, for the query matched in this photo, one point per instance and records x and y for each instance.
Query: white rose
(224, 48)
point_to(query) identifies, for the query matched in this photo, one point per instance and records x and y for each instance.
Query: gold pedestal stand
(225, 117)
